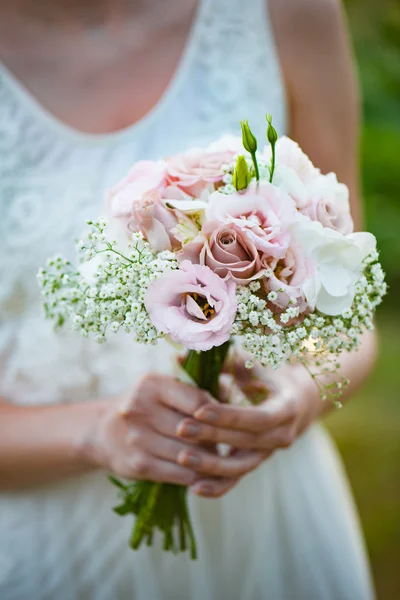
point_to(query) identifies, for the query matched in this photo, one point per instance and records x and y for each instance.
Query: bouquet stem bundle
(164, 506)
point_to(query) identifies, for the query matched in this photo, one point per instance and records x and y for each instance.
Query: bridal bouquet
(221, 243)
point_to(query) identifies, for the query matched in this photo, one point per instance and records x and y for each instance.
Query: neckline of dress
(60, 127)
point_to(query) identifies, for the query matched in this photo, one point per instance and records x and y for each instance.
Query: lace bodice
(53, 178)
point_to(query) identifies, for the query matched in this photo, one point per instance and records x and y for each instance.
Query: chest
(105, 78)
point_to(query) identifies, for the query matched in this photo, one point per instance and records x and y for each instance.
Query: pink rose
(329, 204)
(193, 305)
(263, 213)
(287, 278)
(144, 176)
(227, 251)
(194, 170)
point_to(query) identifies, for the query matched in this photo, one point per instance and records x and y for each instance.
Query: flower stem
(255, 164)
(272, 167)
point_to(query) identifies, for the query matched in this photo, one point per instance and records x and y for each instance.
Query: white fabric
(289, 530)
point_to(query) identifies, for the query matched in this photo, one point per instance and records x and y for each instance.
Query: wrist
(84, 439)
(312, 405)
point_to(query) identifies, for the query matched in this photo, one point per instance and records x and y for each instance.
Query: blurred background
(368, 431)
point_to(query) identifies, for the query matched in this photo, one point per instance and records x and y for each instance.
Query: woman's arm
(39, 444)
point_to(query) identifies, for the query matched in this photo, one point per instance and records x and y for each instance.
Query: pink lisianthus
(329, 203)
(144, 176)
(193, 305)
(196, 169)
(155, 220)
(263, 213)
(287, 276)
(227, 250)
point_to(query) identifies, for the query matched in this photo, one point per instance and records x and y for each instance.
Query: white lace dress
(289, 530)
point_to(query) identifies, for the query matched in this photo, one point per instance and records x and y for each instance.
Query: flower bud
(271, 132)
(241, 176)
(248, 138)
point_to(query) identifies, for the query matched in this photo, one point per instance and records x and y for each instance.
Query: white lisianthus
(338, 263)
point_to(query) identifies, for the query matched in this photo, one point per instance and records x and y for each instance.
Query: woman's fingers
(213, 488)
(200, 432)
(252, 419)
(218, 466)
(166, 422)
(279, 437)
(182, 397)
(194, 457)
(154, 388)
(145, 466)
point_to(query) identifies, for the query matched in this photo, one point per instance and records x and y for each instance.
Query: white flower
(301, 332)
(338, 261)
(227, 178)
(328, 203)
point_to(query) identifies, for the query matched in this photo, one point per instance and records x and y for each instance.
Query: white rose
(337, 262)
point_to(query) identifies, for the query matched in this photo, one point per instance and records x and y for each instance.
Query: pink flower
(329, 203)
(193, 305)
(263, 213)
(155, 220)
(144, 176)
(194, 170)
(227, 250)
(288, 276)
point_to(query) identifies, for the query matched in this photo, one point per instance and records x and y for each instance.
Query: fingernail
(189, 430)
(191, 460)
(207, 490)
(209, 415)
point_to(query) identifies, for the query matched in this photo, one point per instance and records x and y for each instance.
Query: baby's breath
(114, 297)
(316, 340)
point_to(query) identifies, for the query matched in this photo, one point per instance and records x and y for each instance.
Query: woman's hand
(291, 404)
(136, 436)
